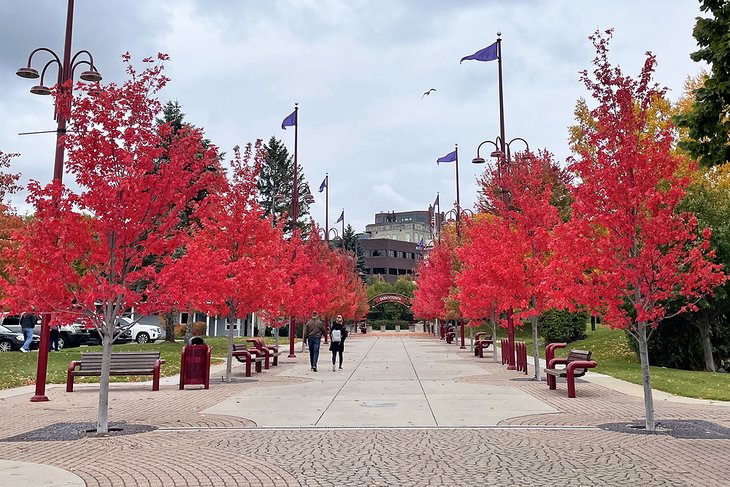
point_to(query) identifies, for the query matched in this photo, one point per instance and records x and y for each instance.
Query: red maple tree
(91, 253)
(627, 253)
(504, 258)
(237, 257)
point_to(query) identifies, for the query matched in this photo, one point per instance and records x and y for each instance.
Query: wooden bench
(248, 356)
(576, 364)
(122, 363)
(481, 344)
(270, 351)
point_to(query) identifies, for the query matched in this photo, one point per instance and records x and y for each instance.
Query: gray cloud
(358, 69)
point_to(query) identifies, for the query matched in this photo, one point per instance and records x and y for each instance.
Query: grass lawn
(615, 358)
(19, 369)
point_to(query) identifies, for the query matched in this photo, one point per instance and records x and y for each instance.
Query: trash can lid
(197, 341)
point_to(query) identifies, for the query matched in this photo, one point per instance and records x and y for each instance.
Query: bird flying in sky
(428, 92)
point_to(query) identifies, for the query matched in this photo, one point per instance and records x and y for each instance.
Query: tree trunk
(646, 376)
(102, 421)
(493, 320)
(535, 347)
(169, 327)
(229, 355)
(189, 326)
(703, 325)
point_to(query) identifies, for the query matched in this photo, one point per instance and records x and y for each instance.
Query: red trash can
(195, 364)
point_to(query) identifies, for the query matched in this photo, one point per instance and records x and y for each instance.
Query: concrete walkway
(385, 381)
(406, 410)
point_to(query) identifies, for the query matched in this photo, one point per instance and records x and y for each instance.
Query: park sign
(390, 298)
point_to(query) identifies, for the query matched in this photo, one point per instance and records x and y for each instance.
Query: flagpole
(502, 163)
(326, 207)
(438, 215)
(294, 214)
(458, 204)
(501, 96)
(343, 229)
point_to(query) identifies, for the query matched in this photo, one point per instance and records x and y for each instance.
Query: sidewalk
(407, 409)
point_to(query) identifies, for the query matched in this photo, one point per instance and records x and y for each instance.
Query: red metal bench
(248, 356)
(270, 351)
(576, 364)
(481, 344)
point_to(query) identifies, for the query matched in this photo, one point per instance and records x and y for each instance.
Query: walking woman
(337, 340)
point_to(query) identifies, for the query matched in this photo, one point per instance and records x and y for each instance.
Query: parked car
(140, 332)
(95, 338)
(13, 340)
(71, 335)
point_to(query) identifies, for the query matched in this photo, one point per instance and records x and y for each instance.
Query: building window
(393, 253)
(408, 237)
(376, 253)
(393, 272)
(378, 270)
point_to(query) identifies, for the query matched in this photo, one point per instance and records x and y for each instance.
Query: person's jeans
(28, 334)
(313, 344)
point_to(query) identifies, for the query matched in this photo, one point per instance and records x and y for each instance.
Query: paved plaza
(406, 410)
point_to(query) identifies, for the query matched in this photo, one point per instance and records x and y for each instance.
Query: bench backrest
(91, 361)
(579, 355)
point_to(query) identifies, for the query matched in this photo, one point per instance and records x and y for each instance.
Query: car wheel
(61, 343)
(143, 337)
(6, 346)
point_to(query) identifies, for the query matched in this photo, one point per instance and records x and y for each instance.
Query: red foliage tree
(435, 280)
(504, 262)
(91, 253)
(626, 252)
(236, 256)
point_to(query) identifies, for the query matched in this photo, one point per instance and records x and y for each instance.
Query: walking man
(313, 333)
(27, 322)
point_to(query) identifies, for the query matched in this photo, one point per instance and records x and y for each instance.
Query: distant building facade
(391, 243)
(406, 226)
(389, 258)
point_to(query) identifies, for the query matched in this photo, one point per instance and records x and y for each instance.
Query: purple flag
(342, 217)
(436, 202)
(450, 157)
(323, 185)
(419, 246)
(489, 53)
(289, 121)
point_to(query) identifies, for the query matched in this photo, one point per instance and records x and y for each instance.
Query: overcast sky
(358, 69)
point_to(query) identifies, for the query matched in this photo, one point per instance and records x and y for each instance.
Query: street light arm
(84, 51)
(44, 49)
(43, 72)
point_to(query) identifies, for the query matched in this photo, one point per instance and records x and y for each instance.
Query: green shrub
(199, 329)
(676, 344)
(562, 326)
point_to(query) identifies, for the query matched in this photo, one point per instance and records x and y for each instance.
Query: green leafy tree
(708, 121)
(352, 245)
(275, 185)
(173, 115)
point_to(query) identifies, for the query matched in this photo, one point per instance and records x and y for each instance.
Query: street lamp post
(65, 76)
(502, 151)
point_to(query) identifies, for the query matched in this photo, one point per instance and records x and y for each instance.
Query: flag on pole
(436, 203)
(342, 217)
(289, 121)
(489, 53)
(323, 185)
(420, 245)
(450, 157)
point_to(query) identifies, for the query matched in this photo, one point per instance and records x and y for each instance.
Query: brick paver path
(191, 449)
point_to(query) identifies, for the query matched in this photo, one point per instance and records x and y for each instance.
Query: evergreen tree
(352, 245)
(708, 121)
(275, 185)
